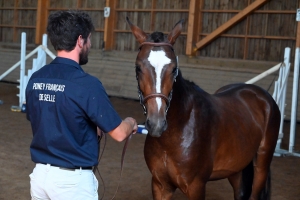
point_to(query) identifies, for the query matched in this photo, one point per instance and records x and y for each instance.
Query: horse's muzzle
(156, 127)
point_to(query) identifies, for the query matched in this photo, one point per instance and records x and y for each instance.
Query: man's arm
(121, 132)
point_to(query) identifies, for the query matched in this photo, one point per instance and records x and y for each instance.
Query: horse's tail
(247, 181)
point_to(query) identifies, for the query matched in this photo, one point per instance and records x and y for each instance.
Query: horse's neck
(181, 105)
(182, 93)
(185, 93)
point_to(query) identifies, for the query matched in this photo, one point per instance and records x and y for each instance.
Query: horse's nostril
(148, 124)
(165, 122)
(165, 125)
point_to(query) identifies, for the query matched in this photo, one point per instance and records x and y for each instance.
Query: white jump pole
(22, 68)
(264, 74)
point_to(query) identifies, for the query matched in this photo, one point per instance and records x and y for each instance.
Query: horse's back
(249, 93)
(248, 103)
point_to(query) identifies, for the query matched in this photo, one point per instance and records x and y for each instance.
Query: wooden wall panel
(92, 4)
(6, 34)
(27, 3)
(64, 4)
(15, 16)
(150, 16)
(229, 47)
(97, 36)
(179, 46)
(5, 3)
(7, 17)
(269, 50)
(134, 4)
(27, 18)
(166, 21)
(225, 4)
(141, 19)
(172, 4)
(262, 35)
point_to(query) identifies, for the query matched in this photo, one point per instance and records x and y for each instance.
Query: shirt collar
(67, 61)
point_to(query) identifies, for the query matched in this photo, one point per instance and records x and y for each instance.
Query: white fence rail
(37, 63)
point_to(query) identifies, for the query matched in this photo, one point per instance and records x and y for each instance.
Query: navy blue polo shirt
(65, 105)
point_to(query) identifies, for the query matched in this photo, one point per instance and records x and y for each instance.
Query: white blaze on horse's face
(158, 60)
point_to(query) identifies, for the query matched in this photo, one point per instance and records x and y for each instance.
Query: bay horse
(195, 137)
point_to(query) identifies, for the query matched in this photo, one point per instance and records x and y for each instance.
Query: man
(65, 106)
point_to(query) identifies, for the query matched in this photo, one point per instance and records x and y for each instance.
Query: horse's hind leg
(262, 183)
(241, 183)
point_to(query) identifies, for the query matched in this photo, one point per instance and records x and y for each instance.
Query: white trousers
(52, 183)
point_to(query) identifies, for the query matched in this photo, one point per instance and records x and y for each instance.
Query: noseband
(167, 99)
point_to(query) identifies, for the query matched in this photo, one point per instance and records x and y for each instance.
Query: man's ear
(80, 41)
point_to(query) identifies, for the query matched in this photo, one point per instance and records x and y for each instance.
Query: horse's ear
(175, 32)
(140, 35)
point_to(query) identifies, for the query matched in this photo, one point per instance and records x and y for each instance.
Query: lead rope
(99, 158)
(122, 162)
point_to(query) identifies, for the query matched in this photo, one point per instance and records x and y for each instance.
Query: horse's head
(156, 71)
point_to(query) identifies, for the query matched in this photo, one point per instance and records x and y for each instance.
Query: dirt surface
(135, 184)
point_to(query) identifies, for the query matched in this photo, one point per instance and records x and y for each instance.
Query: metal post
(294, 102)
(295, 88)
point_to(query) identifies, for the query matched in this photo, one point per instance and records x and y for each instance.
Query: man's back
(64, 104)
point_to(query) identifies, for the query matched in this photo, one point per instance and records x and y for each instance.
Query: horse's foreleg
(236, 183)
(241, 183)
(196, 190)
(160, 193)
(161, 190)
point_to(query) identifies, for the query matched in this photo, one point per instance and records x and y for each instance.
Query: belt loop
(80, 170)
(48, 167)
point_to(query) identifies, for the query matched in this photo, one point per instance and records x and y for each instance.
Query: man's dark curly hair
(64, 28)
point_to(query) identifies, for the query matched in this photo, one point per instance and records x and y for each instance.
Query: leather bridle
(167, 99)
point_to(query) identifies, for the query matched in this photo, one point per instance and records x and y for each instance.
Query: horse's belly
(227, 165)
(221, 174)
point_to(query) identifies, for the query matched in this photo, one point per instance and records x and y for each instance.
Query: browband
(156, 44)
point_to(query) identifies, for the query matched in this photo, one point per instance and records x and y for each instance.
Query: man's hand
(133, 123)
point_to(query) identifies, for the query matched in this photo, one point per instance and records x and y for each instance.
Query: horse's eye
(174, 71)
(137, 69)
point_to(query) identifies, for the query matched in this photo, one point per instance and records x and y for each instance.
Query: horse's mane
(186, 86)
